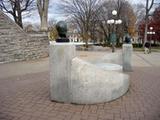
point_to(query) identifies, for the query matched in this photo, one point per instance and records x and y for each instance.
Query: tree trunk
(145, 33)
(17, 13)
(146, 23)
(85, 37)
(86, 43)
(44, 22)
(43, 13)
(19, 21)
(148, 8)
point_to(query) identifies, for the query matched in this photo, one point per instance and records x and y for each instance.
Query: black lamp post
(113, 34)
(151, 28)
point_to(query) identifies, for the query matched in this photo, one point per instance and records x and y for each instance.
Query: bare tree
(83, 12)
(43, 13)
(91, 16)
(16, 8)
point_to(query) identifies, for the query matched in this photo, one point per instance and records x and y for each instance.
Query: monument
(127, 54)
(73, 80)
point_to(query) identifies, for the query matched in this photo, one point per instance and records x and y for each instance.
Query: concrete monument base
(73, 80)
(61, 55)
(127, 57)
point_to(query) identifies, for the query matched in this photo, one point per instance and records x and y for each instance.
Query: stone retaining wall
(17, 45)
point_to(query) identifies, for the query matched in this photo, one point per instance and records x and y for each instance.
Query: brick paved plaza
(26, 96)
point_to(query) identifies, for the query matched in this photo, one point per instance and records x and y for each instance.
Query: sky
(34, 18)
(52, 13)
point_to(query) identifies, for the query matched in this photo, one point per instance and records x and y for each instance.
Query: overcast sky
(52, 12)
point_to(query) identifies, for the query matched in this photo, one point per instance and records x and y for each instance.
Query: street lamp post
(150, 37)
(113, 35)
(151, 28)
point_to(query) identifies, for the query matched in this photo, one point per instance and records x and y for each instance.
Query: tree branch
(151, 5)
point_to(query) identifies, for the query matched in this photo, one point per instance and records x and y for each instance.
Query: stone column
(127, 57)
(61, 55)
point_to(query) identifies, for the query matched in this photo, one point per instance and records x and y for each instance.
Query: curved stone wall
(92, 84)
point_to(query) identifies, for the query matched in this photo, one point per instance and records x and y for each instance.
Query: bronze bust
(61, 27)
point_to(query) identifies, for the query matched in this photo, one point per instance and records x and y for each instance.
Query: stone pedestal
(127, 57)
(61, 55)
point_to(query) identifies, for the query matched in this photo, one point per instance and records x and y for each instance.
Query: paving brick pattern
(27, 98)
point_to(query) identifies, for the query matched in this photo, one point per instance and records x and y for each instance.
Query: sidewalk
(24, 93)
(146, 60)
